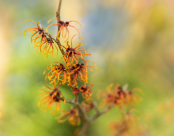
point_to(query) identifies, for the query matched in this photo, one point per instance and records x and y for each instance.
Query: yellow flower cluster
(71, 70)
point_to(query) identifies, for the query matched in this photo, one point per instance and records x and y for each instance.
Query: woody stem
(76, 97)
(58, 41)
(87, 120)
(58, 11)
(58, 18)
(87, 123)
(80, 107)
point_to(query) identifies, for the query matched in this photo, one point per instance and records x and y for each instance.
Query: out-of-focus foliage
(131, 42)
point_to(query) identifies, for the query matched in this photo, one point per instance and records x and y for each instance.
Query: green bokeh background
(130, 41)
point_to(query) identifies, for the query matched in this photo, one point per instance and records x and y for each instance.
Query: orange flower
(79, 72)
(132, 95)
(125, 125)
(120, 94)
(74, 54)
(46, 44)
(57, 73)
(49, 46)
(121, 128)
(64, 27)
(86, 91)
(88, 104)
(50, 98)
(114, 95)
(72, 116)
(36, 30)
(75, 90)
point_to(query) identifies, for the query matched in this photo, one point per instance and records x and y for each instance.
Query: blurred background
(131, 41)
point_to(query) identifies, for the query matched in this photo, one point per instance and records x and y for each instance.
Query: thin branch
(58, 41)
(84, 128)
(101, 113)
(58, 18)
(84, 116)
(58, 15)
(82, 110)
(67, 101)
(120, 132)
(86, 125)
(96, 108)
(49, 35)
(58, 12)
(80, 107)
(76, 97)
(75, 102)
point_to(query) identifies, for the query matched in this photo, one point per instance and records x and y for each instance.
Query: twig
(76, 97)
(96, 108)
(84, 128)
(82, 110)
(58, 18)
(86, 125)
(84, 116)
(75, 102)
(67, 101)
(100, 113)
(58, 12)
(80, 107)
(58, 41)
(120, 132)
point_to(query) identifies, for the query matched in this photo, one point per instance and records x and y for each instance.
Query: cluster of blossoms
(125, 125)
(129, 124)
(44, 43)
(72, 116)
(71, 69)
(115, 95)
